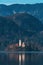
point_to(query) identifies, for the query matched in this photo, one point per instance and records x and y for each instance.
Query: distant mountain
(19, 26)
(33, 9)
(27, 22)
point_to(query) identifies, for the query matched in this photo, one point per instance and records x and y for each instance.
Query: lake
(21, 58)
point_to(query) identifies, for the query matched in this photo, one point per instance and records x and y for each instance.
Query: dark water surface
(21, 58)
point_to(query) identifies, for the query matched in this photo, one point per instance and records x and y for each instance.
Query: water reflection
(21, 59)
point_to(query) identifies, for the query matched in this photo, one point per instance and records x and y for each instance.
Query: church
(21, 44)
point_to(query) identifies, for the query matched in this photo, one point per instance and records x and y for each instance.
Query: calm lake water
(21, 58)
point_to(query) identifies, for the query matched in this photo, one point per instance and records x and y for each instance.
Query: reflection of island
(21, 59)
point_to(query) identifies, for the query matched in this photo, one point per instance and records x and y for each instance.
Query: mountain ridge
(34, 9)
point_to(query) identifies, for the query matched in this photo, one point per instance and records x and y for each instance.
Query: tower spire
(20, 43)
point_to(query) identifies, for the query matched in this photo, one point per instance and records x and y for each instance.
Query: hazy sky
(20, 1)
